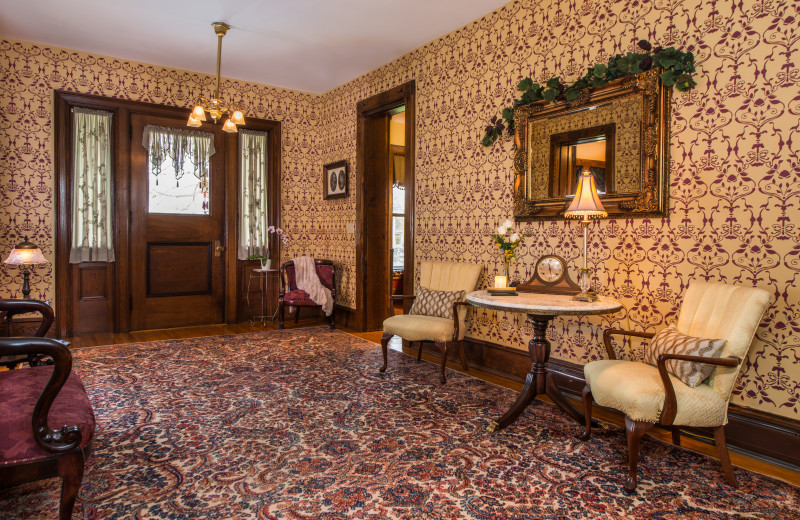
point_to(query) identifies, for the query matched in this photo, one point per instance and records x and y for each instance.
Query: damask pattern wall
(735, 167)
(32, 72)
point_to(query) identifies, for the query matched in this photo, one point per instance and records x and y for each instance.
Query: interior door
(377, 222)
(176, 253)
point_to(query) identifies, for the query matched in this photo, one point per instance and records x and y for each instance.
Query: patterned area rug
(299, 424)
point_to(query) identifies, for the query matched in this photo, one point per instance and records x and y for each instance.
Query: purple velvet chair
(295, 297)
(31, 400)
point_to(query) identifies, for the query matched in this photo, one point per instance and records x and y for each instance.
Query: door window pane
(178, 163)
(187, 196)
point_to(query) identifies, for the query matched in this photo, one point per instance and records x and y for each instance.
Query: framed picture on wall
(334, 178)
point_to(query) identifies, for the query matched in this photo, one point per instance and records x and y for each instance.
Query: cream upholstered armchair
(655, 393)
(439, 311)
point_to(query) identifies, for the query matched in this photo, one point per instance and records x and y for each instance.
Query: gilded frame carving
(651, 199)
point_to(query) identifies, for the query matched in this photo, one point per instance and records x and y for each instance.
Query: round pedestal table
(541, 309)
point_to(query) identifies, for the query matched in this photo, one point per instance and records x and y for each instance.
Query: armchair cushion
(436, 303)
(671, 341)
(416, 327)
(636, 389)
(20, 390)
(299, 297)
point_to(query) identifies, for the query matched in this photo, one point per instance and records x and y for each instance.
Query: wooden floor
(787, 473)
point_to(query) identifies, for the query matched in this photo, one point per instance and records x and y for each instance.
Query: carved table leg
(558, 398)
(535, 382)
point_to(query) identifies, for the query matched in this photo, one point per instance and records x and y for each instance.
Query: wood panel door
(177, 260)
(377, 224)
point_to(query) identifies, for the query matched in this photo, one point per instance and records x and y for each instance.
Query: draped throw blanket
(307, 280)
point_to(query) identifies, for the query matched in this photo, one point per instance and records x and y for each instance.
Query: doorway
(385, 204)
(177, 230)
(170, 269)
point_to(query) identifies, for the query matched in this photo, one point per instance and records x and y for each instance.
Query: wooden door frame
(64, 102)
(404, 94)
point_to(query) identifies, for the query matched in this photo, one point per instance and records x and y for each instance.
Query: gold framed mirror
(619, 132)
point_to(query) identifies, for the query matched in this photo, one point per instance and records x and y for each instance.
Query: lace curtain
(182, 147)
(253, 236)
(92, 209)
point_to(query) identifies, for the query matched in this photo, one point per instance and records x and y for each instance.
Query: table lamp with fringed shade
(26, 253)
(586, 205)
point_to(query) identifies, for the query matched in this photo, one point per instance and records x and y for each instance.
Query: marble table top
(542, 304)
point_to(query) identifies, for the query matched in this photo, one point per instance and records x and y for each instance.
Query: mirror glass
(618, 132)
(571, 154)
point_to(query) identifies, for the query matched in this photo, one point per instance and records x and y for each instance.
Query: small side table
(263, 278)
(541, 310)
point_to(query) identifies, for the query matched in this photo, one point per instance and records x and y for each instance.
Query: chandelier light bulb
(237, 117)
(194, 123)
(198, 113)
(229, 127)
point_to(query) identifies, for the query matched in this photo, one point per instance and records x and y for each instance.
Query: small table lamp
(585, 205)
(25, 254)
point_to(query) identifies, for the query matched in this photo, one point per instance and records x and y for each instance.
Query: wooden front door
(177, 260)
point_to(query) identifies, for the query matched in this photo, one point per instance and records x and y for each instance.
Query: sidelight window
(253, 218)
(92, 207)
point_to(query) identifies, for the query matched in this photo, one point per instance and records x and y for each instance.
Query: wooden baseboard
(349, 318)
(752, 430)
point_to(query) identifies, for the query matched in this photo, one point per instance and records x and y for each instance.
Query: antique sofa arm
(670, 401)
(14, 306)
(619, 332)
(68, 437)
(403, 296)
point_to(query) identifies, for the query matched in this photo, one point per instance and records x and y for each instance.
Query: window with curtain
(178, 164)
(92, 198)
(253, 219)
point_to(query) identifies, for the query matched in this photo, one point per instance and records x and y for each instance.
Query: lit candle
(500, 282)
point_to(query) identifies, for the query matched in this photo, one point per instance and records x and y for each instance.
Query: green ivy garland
(677, 66)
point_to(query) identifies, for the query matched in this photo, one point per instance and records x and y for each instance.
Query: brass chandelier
(215, 108)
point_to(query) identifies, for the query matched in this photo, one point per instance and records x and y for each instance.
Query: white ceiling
(308, 45)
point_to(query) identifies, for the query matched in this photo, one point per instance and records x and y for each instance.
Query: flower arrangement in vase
(265, 260)
(508, 240)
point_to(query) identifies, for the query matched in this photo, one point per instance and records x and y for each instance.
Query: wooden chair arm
(670, 401)
(619, 332)
(68, 437)
(22, 306)
(456, 324)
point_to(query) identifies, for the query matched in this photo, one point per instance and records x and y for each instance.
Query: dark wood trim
(348, 318)
(122, 109)
(755, 431)
(233, 277)
(404, 94)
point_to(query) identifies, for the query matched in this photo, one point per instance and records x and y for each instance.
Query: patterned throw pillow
(436, 303)
(671, 341)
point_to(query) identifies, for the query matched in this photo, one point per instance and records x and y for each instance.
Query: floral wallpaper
(735, 169)
(31, 72)
(735, 166)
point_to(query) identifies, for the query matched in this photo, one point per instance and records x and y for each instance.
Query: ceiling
(307, 45)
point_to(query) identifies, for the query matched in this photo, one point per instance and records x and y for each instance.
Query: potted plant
(266, 262)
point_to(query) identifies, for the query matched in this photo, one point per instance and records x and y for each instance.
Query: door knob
(218, 248)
